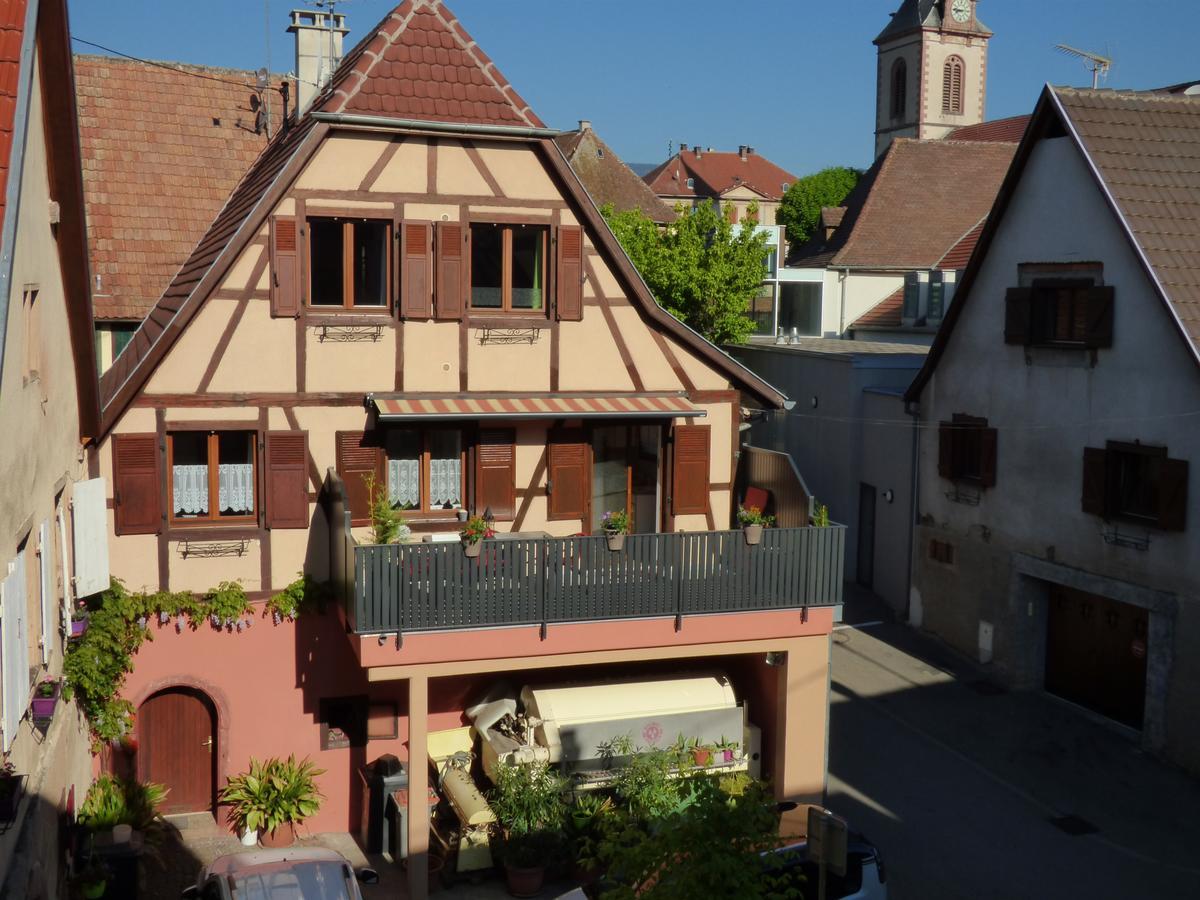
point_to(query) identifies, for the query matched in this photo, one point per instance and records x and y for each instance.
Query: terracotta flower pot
(616, 539)
(524, 882)
(753, 534)
(472, 550)
(283, 836)
(701, 757)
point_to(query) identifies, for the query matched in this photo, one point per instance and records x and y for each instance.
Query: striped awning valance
(532, 406)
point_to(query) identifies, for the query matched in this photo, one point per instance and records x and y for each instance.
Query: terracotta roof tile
(163, 146)
(1007, 131)
(1146, 148)
(959, 255)
(716, 173)
(607, 178)
(12, 28)
(888, 313)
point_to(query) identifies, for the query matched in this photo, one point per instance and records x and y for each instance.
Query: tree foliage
(800, 210)
(702, 269)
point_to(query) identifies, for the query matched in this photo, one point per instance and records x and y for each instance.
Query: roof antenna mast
(331, 7)
(1099, 65)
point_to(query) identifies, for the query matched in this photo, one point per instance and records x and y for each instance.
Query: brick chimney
(585, 124)
(697, 151)
(318, 51)
(742, 148)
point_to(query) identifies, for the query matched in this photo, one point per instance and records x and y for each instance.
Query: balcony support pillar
(418, 787)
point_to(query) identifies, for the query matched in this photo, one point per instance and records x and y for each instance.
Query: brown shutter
(137, 500)
(287, 479)
(570, 273)
(1098, 303)
(285, 268)
(1095, 481)
(567, 481)
(416, 271)
(359, 457)
(451, 270)
(1172, 494)
(1018, 308)
(690, 469)
(946, 438)
(987, 457)
(496, 472)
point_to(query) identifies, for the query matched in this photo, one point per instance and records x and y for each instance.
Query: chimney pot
(585, 124)
(696, 150)
(319, 41)
(742, 151)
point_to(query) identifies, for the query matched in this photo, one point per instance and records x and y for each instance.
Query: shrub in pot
(273, 797)
(529, 806)
(473, 533)
(585, 830)
(753, 522)
(616, 524)
(45, 699)
(112, 801)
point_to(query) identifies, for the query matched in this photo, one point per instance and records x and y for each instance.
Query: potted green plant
(11, 784)
(45, 699)
(753, 522)
(616, 525)
(585, 830)
(820, 514)
(273, 797)
(528, 803)
(79, 619)
(473, 533)
(701, 753)
(725, 749)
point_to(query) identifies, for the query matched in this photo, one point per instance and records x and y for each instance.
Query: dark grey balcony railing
(398, 588)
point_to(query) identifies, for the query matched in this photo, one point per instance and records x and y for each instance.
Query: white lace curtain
(235, 482)
(404, 482)
(191, 489)
(445, 482)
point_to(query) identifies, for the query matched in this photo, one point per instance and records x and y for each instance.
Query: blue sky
(793, 78)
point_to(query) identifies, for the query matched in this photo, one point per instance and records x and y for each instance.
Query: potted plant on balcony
(725, 750)
(616, 525)
(473, 533)
(45, 700)
(753, 522)
(273, 797)
(528, 803)
(79, 619)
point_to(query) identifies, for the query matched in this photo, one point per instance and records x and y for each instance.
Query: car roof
(237, 863)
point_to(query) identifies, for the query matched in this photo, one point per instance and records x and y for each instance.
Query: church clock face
(961, 10)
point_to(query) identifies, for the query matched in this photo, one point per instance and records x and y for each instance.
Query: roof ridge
(165, 63)
(1155, 96)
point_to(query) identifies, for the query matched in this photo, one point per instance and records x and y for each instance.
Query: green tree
(800, 210)
(701, 269)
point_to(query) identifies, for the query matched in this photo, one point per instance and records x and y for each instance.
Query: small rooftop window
(691, 182)
(599, 153)
(785, 186)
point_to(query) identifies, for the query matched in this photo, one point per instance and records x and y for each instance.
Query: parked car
(293, 873)
(865, 878)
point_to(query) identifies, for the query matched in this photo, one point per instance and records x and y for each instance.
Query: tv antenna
(1099, 65)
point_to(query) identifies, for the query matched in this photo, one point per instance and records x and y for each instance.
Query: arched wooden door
(177, 747)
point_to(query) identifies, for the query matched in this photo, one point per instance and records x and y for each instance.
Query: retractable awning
(533, 406)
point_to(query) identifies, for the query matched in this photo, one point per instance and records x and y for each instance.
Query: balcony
(401, 588)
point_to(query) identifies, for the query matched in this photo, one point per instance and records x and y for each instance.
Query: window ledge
(480, 319)
(215, 532)
(338, 318)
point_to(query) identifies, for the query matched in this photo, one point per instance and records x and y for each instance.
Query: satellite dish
(1099, 65)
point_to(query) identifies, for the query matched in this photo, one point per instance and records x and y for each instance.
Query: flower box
(78, 627)
(45, 700)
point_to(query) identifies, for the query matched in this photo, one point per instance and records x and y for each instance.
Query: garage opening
(1096, 650)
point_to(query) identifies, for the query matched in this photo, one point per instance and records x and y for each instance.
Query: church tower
(932, 70)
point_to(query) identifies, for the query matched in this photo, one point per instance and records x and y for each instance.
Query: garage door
(1096, 654)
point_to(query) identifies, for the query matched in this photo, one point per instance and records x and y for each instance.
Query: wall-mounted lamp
(775, 659)
(889, 495)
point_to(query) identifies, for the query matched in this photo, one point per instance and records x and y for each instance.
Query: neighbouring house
(852, 438)
(52, 517)
(1057, 406)
(411, 285)
(607, 179)
(731, 180)
(163, 145)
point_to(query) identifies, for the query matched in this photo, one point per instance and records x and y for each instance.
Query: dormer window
(691, 182)
(785, 187)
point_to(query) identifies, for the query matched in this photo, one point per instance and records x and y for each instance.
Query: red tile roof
(12, 28)
(420, 63)
(960, 254)
(607, 178)
(163, 145)
(716, 173)
(913, 205)
(888, 313)
(1007, 131)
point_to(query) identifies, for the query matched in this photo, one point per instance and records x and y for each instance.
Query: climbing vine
(118, 622)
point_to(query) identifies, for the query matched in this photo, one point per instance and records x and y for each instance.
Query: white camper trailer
(566, 725)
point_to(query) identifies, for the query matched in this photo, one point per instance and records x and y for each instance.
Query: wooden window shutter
(137, 493)
(567, 484)
(496, 472)
(946, 437)
(987, 457)
(285, 268)
(1018, 309)
(1095, 481)
(1097, 301)
(570, 273)
(1172, 494)
(287, 479)
(358, 458)
(416, 270)
(690, 469)
(451, 270)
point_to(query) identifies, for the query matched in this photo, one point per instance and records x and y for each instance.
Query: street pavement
(957, 781)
